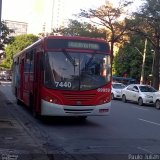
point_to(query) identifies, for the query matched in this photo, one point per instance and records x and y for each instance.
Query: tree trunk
(112, 56)
(143, 63)
(112, 50)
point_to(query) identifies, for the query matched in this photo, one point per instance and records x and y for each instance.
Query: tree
(18, 44)
(76, 28)
(147, 24)
(4, 36)
(109, 17)
(130, 56)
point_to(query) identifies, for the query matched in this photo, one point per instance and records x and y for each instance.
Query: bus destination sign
(76, 44)
(83, 45)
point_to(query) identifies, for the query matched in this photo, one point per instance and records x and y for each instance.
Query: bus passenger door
(37, 84)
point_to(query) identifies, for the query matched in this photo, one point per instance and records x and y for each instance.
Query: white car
(142, 94)
(116, 90)
(156, 99)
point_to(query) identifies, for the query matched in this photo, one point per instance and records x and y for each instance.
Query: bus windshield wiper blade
(69, 57)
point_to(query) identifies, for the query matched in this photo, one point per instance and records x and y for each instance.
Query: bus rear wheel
(19, 102)
(34, 113)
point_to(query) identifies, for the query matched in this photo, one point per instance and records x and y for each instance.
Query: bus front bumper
(50, 109)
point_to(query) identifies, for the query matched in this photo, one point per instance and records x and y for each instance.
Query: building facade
(18, 27)
(58, 14)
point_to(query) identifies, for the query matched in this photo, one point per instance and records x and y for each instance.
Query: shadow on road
(67, 121)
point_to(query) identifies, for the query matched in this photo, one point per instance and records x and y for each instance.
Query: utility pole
(53, 3)
(143, 63)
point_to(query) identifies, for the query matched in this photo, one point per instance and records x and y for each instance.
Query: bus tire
(15, 91)
(31, 100)
(19, 102)
(34, 113)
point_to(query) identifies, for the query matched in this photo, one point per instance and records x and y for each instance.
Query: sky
(38, 12)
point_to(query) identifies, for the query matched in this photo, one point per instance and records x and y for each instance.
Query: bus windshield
(76, 71)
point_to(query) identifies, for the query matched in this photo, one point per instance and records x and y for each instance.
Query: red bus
(64, 76)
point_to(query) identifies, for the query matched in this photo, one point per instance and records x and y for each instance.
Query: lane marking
(94, 147)
(142, 108)
(149, 121)
(146, 150)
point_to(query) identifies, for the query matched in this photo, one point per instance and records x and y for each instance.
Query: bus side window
(28, 67)
(31, 61)
(27, 63)
(42, 62)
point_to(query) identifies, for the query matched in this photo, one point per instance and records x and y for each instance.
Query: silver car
(116, 90)
(142, 94)
(156, 99)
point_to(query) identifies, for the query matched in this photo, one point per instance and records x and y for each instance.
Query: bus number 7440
(64, 84)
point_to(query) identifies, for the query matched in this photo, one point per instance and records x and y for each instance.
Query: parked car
(156, 100)
(142, 94)
(116, 90)
(124, 80)
(5, 75)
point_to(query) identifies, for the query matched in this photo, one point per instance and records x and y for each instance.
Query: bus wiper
(69, 57)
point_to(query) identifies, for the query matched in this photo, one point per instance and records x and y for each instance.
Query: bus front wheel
(34, 113)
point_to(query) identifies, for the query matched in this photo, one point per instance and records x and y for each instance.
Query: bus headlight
(104, 100)
(52, 100)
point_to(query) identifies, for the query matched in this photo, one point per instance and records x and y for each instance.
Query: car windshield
(118, 86)
(76, 71)
(147, 89)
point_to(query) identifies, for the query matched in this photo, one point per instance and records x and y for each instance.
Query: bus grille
(78, 111)
(79, 97)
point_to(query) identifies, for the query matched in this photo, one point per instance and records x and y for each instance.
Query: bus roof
(66, 42)
(75, 37)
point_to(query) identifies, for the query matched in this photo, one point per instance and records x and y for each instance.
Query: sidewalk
(15, 142)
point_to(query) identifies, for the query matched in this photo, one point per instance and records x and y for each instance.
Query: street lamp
(151, 75)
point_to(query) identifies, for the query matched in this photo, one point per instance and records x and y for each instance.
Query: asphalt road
(129, 130)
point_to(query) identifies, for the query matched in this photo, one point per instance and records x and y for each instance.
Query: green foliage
(4, 36)
(146, 23)
(76, 28)
(108, 17)
(18, 44)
